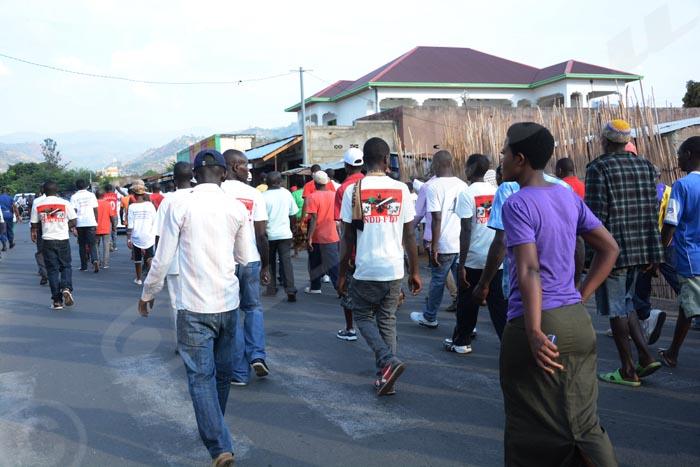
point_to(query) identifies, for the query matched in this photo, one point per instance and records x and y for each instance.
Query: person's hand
(544, 351)
(75, 232)
(143, 307)
(309, 245)
(33, 236)
(480, 292)
(650, 269)
(341, 285)
(462, 274)
(265, 275)
(414, 284)
(129, 244)
(434, 258)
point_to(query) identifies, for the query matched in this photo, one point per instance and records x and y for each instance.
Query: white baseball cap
(354, 157)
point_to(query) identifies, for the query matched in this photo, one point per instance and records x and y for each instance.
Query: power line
(141, 81)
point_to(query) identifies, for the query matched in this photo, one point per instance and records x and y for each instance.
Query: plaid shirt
(621, 192)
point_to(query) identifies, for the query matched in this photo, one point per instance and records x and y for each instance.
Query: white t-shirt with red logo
(386, 207)
(442, 196)
(476, 202)
(254, 202)
(53, 213)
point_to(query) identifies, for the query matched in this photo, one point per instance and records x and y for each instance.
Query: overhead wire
(141, 81)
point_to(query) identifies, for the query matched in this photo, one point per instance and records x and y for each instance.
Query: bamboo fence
(576, 133)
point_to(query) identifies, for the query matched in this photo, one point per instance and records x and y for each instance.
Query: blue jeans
(324, 259)
(448, 262)
(643, 287)
(9, 226)
(614, 296)
(57, 258)
(205, 343)
(250, 340)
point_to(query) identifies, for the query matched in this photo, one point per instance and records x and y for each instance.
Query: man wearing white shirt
(250, 342)
(182, 174)
(141, 234)
(198, 229)
(281, 212)
(85, 205)
(441, 200)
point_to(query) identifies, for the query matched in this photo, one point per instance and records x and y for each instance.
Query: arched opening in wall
(330, 119)
(470, 103)
(524, 103)
(576, 99)
(393, 102)
(439, 102)
(313, 119)
(551, 100)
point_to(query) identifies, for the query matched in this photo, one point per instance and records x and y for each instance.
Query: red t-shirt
(310, 187)
(350, 180)
(322, 203)
(113, 202)
(576, 184)
(104, 223)
(156, 199)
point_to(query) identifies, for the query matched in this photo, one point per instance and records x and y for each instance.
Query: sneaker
(67, 297)
(82, 269)
(609, 332)
(385, 384)
(138, 282)
(654, 324)
(44, 280)
(56, 306)
(347, 335)
(95, 266)
(388, 392)
(474, 333)
(225, 459)
(260, 367)
(291, 297)
(448, 345)
(106, 266)
(325, 279)
(311, 291)
(695, 323)
(418, 318)
(237, 382)
(12, 244)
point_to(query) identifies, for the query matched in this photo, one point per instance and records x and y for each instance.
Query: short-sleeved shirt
(253, 201)
(156, 199)
(84, 204)
(299, 200)
(551, 218)
(684, 212)
(421, 211)
(576, 185)
(442, 197)
(142, 223)
(621, 192)
(386, 207)
(475, 202)
(280, 206)
(322, 204)
(104, 222)
(350, 180)
(310, 187)
(53, 213)
(6, 204)
(113, 200)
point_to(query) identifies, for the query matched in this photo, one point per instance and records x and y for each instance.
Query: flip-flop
(664, 360)
(650, 369)
(614, 377)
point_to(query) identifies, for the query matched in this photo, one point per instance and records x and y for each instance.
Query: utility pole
(305, 156)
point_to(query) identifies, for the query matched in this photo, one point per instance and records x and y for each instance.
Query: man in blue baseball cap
(199, 228)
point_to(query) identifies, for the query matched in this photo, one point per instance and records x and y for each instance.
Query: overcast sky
(217, 40)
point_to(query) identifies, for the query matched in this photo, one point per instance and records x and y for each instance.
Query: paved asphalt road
(96, 385)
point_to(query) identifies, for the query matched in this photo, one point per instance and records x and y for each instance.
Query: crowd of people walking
(530, 246)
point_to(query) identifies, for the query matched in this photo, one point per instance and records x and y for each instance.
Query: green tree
(692, 94)
(51, 155)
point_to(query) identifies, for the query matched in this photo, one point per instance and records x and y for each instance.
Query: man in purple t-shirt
(548, 358)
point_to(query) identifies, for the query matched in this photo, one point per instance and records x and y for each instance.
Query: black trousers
(87, 242)
(282, 248)
(468, 309)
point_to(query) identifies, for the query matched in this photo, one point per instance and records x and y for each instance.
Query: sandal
(650, 369)
(664, 359)
(615, 378)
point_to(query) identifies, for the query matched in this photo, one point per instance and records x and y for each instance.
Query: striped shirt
(621, 192)
(207, 231)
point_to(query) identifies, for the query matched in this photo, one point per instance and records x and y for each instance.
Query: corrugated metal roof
(261, 152)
